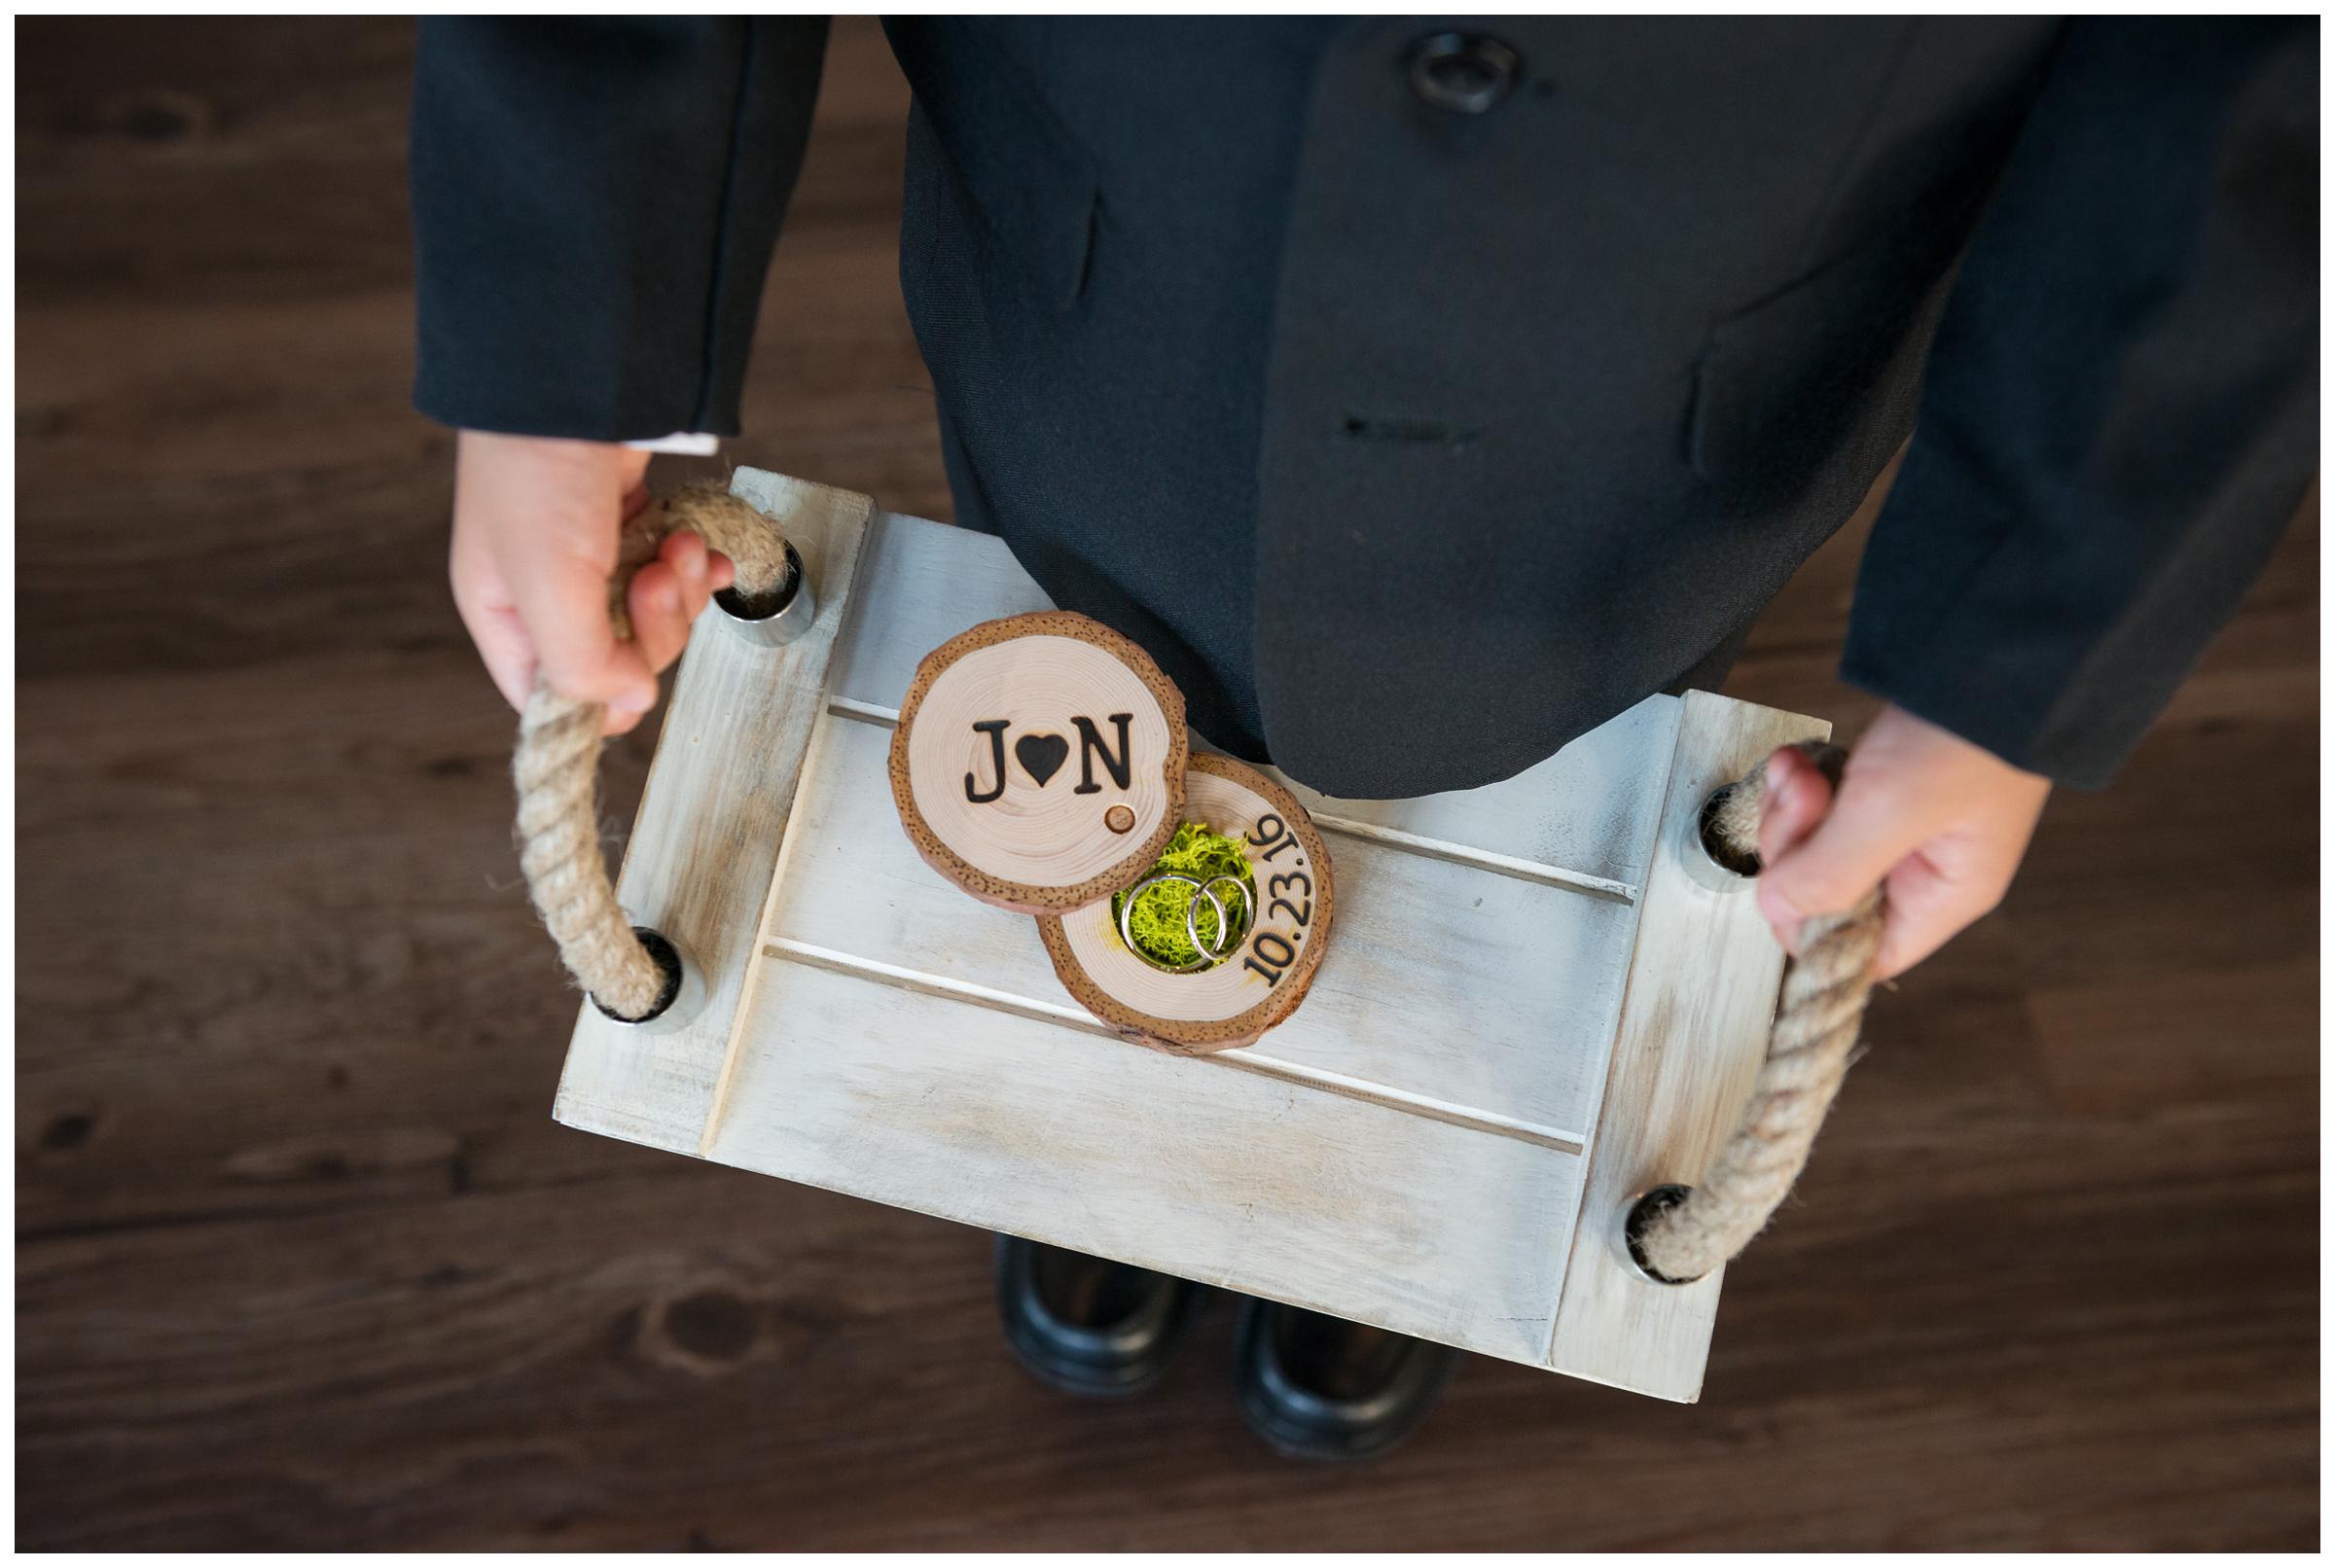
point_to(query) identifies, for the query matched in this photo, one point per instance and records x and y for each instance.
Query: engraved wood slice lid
(1039, 760)
(1262, 977)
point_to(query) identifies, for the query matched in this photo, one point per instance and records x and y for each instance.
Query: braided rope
(556, 766)
(1809, 1051)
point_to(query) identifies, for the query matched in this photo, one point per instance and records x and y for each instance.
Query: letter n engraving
(1091, 746)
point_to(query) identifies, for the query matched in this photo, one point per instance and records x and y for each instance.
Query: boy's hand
(1939, 822)
(535, 526)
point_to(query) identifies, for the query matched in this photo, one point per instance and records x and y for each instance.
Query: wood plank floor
(303, 1261)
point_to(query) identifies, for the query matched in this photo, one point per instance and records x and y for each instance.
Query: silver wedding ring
(1209, 956)
(1225, 929)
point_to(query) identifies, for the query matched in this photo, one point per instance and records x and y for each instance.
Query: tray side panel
(712, 813)
(1701, 996)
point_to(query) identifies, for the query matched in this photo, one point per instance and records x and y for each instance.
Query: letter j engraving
(995, 729)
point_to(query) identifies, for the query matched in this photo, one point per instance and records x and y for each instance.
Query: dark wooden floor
(303, 1261)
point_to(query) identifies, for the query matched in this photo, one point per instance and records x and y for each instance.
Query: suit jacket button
(1465, 73)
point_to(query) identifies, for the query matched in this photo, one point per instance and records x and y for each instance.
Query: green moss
(1157, 924)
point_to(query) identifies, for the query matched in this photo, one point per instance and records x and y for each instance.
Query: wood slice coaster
(1039, 762)
(1262, 979)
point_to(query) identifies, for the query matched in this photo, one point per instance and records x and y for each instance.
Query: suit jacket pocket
(1801, 397)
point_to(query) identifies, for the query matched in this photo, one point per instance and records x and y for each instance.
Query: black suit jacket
(1421, 402)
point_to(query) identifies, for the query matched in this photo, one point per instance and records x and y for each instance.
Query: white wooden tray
(1541, 999)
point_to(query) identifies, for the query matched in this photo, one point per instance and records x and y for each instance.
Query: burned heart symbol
(1041, 756)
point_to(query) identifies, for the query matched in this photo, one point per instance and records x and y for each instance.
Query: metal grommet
(684, 993)
(1704, 859)
(777, 618)
(1641, 1212)
(1723, 855)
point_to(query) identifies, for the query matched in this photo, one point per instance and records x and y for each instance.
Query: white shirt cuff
(681, 443)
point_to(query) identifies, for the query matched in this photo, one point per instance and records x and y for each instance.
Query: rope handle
(555, 765)
(1679, 1235)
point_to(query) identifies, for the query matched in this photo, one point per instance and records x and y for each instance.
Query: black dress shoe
(1086, 1324)
(1321, 1388)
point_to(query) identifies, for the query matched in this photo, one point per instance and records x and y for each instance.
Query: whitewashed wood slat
(1054, 1129)
(1412, 1148)
(938, 580)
